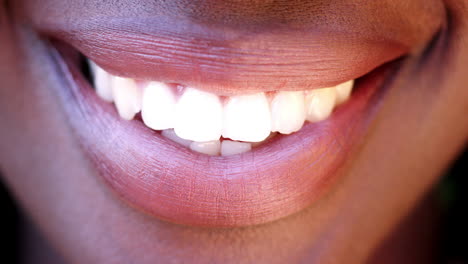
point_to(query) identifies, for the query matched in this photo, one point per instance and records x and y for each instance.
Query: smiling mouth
(214, 155)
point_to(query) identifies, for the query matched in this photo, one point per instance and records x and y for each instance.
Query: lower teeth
(223, 147)
(209, 125)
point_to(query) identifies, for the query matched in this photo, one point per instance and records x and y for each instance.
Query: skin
(418, 129)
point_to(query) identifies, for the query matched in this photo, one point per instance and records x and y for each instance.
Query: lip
(274, 180)
(228, 61)
(168, 181)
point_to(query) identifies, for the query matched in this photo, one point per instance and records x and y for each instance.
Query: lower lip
(170, 182)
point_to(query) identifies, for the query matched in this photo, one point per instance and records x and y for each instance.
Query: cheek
(38, 158)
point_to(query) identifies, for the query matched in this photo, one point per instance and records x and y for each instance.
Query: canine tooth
(287, 112)
(319, 103)
(212, 148)
(199, 116)
(247, 118)
(170, 134)
(229, 147)
(102, 82)
(158, 106)
(127, 97)
(343, 91)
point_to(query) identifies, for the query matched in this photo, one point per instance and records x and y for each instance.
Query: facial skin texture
(419, 129)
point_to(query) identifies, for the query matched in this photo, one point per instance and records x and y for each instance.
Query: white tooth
(247, 118)
(343, 91)
(319, 103)
(212, 148)
(158, 106)
(102, 82)
(199, 116)
(170, 134)
(127, 97)
(229, 147)
(287, 112)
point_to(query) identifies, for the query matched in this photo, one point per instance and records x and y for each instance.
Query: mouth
(215, 156)
(216, 125)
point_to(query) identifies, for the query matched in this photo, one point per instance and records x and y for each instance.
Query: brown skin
(419, 129)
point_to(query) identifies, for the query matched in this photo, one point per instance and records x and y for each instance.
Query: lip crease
(170, 182)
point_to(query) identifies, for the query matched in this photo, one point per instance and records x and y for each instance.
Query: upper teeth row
(201, 116)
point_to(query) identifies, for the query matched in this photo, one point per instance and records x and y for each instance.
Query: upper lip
(230, 62)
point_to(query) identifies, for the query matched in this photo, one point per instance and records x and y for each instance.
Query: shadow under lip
(171, 182)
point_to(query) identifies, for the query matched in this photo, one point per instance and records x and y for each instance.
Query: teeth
(229, 147)
(158, 106)
(319, 103)
(127, 97)
(197, 119)
(212, 148)
(199, 116)
(170, 134)
(247, 118)
(102, 82)
(287, 112)
(343, 91)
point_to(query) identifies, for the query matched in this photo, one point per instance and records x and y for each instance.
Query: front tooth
(199, 116)
(229, 147)
(319, 103)
(102, 82)
(127, 97)
(287, 112)
(247, 118)
(170, 134)
(343, 91)
(158, 106)
(212, 148)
